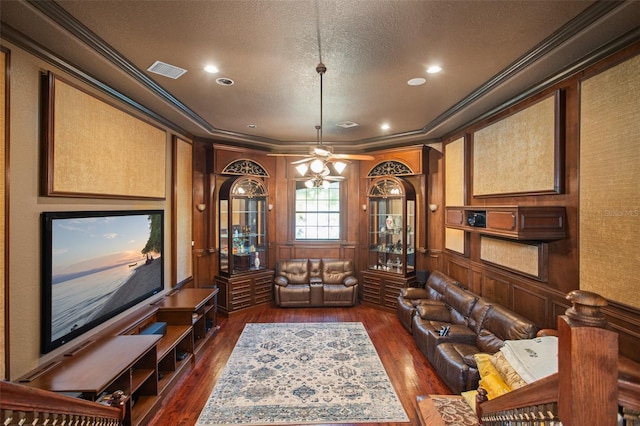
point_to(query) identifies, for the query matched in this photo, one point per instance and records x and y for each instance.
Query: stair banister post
(587, 364)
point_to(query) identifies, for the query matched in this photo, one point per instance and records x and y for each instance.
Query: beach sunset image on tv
(98, 266)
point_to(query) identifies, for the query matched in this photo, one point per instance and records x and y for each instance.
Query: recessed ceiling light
(224, 81)
(211, 69)
(434, 69)
(385, 126)
(418, 81)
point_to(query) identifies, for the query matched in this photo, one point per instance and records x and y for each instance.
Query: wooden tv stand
(143, 366)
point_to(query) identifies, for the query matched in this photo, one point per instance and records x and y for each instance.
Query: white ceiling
(490, 52)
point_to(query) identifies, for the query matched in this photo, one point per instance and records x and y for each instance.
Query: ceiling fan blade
(304, 160)
(321, 151)
(333, 178)
(273, 154)
(353, 156)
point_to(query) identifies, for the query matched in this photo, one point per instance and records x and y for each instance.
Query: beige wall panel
(517, 154)
(101, 150)
(454, 190)
(454, 239)
(184, 203)
(510, 254)
(3, 206)
(609, 183)
(454, 173)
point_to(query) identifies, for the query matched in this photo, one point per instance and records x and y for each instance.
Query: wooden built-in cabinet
(243, 291)
(535, 223)
(143, 366)
(382, 289)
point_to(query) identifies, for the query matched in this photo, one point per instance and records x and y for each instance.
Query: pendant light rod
(320, 69)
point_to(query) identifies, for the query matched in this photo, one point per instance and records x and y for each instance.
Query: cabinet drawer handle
(513, 221)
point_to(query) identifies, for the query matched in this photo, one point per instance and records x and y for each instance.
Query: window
(318, 212)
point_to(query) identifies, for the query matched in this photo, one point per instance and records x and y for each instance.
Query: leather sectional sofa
(315, 282)
(475, 325)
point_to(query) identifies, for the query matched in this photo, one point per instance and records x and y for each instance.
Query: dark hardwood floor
(409, 371)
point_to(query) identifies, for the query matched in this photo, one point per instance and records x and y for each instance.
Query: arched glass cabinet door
(392, 226)
(242, 225)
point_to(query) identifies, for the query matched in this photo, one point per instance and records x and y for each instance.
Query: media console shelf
(143, 366)
(126, 363)
(534, 223)
(193, 307)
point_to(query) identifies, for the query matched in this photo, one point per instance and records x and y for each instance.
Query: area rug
(303, 373)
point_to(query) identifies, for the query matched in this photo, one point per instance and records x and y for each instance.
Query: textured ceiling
(490, 52)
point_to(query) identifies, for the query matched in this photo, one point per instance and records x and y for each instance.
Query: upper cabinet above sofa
(536, 223)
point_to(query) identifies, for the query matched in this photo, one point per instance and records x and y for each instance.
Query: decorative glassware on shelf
(392, 216)
(242, 225)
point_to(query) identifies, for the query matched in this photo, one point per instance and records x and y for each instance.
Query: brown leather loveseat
(315, 282)
(475, 325)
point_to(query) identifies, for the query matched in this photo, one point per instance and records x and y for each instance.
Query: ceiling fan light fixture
(317, 166)
(302, 169)
(310, 183)
(339, 166)
(326, 184)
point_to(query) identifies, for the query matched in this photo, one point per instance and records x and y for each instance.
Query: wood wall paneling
(496, 288)
(530, 304)
(460, 272)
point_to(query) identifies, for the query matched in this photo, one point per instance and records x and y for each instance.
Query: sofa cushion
(433, 312)
(296, 271)
(501, 324)
(334, 271)
(437, 284)
(461, 303)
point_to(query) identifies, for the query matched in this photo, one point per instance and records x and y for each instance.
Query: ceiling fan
(323, 164)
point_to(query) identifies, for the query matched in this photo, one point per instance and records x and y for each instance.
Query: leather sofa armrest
(350, 281)
(281, 281)
(433, 312)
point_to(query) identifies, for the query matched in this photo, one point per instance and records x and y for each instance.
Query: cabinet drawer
(238, 286)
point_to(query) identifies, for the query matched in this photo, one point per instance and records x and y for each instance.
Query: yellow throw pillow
(494, 385)
(485, 367)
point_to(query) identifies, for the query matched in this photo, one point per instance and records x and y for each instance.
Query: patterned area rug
(303, 373)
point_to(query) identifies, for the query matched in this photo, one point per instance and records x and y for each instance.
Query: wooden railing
(23, 405)
(592, 385)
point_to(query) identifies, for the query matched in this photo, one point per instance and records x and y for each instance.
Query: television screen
(96, 265)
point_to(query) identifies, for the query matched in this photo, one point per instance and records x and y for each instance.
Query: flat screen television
(95, 265)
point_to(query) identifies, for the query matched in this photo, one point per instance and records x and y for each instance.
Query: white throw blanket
(532, 359)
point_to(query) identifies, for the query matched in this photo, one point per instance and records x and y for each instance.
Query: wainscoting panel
(530, 304)
(459, 272)
(496, 289)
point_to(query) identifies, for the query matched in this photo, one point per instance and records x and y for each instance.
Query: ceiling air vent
(166, 70)
(347, 124)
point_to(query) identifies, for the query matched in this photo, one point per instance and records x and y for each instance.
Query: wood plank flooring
(408, 369)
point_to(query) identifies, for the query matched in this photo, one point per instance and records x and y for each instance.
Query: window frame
(341, 216)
